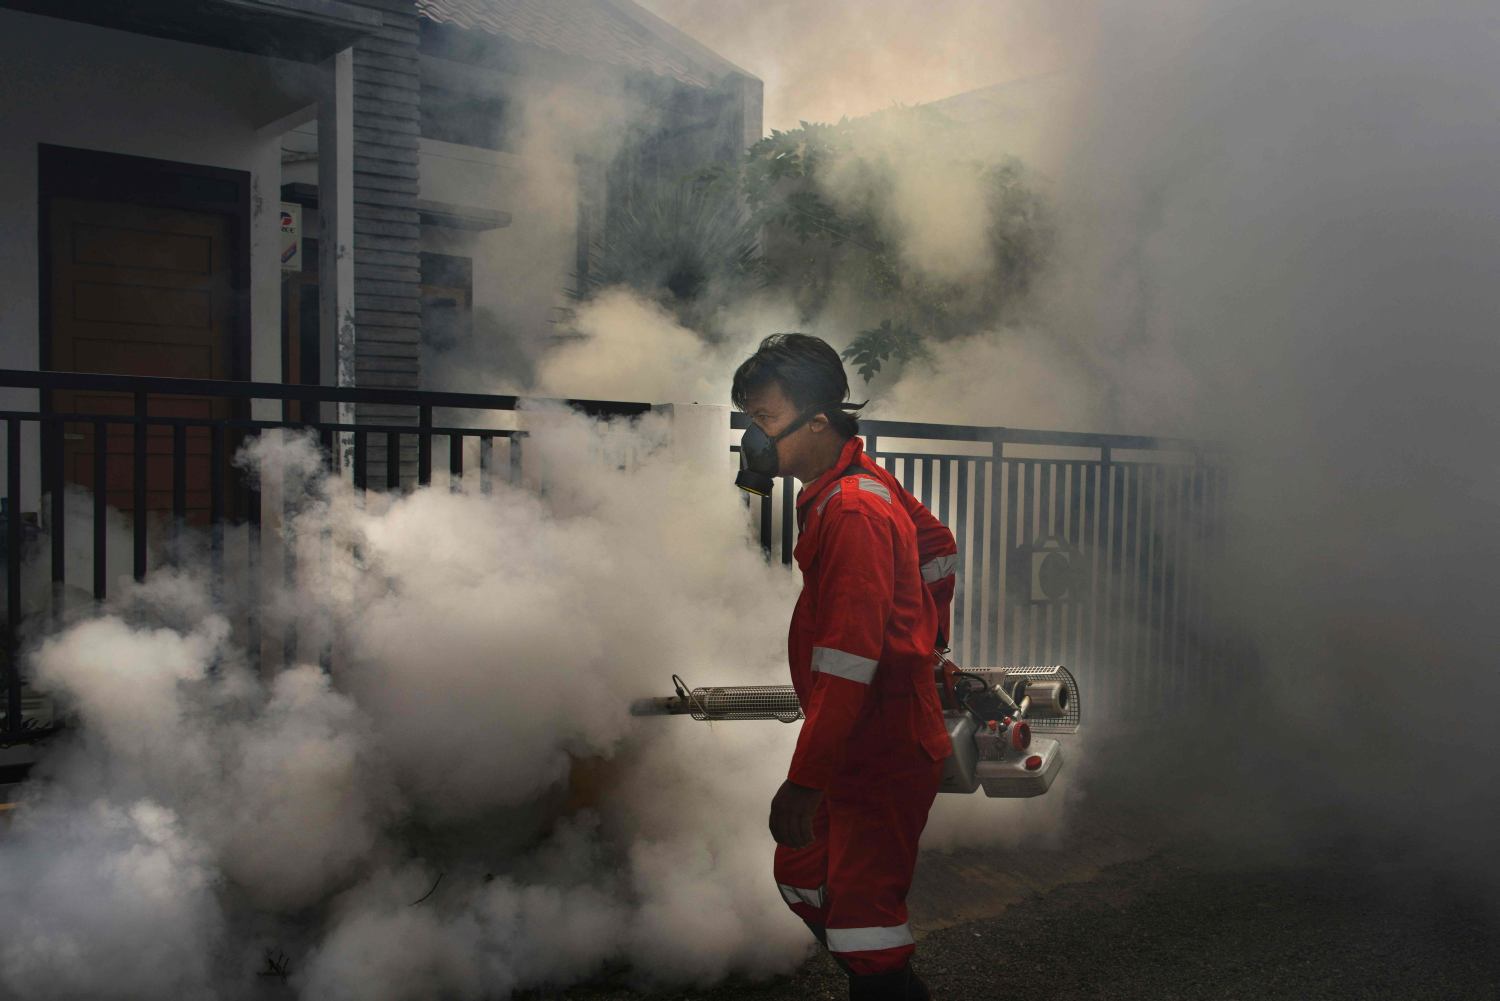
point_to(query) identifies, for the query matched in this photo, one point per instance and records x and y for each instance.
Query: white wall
(76, 85)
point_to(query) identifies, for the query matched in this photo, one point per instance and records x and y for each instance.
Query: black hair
(809, 372)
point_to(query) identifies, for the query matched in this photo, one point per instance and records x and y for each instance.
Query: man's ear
(818, 424)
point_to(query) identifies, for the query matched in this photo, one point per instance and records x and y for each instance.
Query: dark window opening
(466, 119)
(447, 302)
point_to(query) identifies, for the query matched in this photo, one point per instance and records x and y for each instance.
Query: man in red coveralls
(877, 572)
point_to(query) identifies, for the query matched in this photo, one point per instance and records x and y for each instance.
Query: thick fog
(1277, 227)
(1292, 227)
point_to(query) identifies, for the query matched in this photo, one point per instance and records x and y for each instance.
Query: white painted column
(336, 229)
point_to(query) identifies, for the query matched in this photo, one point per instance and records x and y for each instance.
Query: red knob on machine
(1020, 736)
(1034, 762)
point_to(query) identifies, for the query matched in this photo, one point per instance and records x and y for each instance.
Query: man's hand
(792, 812)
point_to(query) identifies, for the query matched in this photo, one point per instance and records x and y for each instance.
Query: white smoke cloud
(1010, 378)
(633, 349)
(108, 900)
(490, 645)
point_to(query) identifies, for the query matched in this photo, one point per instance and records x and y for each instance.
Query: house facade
(320, 191)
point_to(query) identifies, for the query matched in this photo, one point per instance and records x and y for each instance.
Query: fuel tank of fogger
(1007, 777)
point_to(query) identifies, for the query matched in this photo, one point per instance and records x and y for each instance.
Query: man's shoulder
(857, 493)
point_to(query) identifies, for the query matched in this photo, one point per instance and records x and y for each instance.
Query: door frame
(68, 172)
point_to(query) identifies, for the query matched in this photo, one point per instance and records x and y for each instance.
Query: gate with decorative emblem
(1092, 550)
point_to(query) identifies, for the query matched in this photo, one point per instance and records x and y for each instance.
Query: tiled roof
(613, 32)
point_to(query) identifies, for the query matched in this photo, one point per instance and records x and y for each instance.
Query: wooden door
(138, 290)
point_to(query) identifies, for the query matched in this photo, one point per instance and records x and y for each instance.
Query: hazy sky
(821, 59)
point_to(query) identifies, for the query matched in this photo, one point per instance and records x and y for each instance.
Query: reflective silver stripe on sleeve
(798, 895)
(868, 939)
(939, 567)
(865, 483)
(845, 665)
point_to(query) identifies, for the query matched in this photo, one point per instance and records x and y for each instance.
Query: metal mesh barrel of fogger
(745, 702)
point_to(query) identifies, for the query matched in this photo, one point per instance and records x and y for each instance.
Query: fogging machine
(993, 718)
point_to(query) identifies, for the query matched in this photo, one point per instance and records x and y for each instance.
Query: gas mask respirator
(759, 464)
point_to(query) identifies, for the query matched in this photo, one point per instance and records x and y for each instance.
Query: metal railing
(156, 455)
(1091, 550)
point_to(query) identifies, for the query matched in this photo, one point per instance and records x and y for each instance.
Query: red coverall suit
(861, 647)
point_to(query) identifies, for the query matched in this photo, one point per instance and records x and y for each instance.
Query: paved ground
(1179, 923)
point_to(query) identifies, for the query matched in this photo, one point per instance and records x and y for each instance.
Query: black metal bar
(1192, 612)
(245, 425)
(58, 519)
(361, 461)
(13, 720)
(517, 443)
(253, 567)
(486, 462)
(326, 445)
(1120, 582)
(945, 499)
(1024, 646)
(1074, 531)
(424, 446)
(994, 528)
(765, 525)
(289, 637)
(217, 461)
(1001, 535)
(455, 460)
(392, 461)
(788, 520)
(1087, 657)
(232, 389)
(958, 637)
(986, 476)
(101, 490)
(138, 485)
(1176, 580)
(1156, 604)
(179, 477)
(1138, 540)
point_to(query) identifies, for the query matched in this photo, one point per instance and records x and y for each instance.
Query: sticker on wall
(291, 237)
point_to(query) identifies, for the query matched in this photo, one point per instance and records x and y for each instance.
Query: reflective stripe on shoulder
(868, 939)
(939, 567)
(869, 483)
(799, 895)
(845, 665)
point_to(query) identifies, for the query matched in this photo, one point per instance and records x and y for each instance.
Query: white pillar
(336, 230)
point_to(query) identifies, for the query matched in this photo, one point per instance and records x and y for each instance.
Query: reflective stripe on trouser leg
(869, 939)
(801, 895)
(874, 826)
(802, 874)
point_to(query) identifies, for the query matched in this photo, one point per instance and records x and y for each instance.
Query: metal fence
(1091, 550)
(158, 453)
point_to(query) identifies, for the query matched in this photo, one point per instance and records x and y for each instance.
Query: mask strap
(802, 419)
